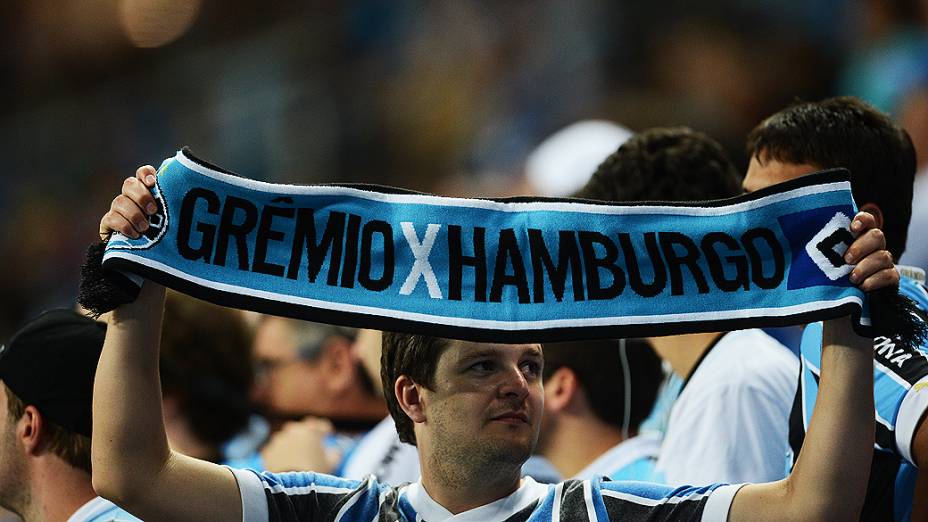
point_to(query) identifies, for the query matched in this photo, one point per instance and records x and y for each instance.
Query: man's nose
(514, 384)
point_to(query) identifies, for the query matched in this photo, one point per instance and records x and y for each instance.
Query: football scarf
(504, 270)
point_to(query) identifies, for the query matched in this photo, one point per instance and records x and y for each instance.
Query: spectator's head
(206, 375)
(307, 368)
(46, 388)
(607, 383)
(665, 164)
(840, 132)
(463, 403)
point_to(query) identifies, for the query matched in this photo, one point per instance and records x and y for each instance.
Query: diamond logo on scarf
(827, 248)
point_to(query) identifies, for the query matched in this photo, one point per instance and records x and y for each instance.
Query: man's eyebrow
(487, 352)
(534, 352)
(491, 352)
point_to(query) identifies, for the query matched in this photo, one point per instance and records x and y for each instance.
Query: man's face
(286, 385)
(14, 490)
(486, 403)
(768, 171)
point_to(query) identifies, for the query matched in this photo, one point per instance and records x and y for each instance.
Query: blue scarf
(504, 270)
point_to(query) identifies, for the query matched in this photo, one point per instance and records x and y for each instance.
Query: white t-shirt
(99, 509)
(380, 453)
(631, 459)
(916, 248)
(731, 421)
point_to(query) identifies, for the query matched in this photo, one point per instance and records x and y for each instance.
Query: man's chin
(515, 455)
(515, 450)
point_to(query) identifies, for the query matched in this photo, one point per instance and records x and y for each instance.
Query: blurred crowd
(445, 97)
(452, 98)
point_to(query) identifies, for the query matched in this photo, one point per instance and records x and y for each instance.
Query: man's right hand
(129, 210)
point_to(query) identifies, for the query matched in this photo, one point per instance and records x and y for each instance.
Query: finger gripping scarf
(507, 270)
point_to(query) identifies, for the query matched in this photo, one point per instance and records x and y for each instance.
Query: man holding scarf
(476, 405)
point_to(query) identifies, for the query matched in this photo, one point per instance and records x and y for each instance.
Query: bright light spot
(153, 23)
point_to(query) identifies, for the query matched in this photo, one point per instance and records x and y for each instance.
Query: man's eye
(531, 368)
(482, 367)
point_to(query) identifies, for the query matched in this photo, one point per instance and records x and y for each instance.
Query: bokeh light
(153, 23)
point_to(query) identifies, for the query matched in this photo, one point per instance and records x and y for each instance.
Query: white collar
(428, 509)
(646, 444)
(93, 508)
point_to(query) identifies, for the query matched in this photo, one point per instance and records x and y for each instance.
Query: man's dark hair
(206, 363)
(665, 164)
(601, 372)
(415, 356)
(847, 132)
(70, 447)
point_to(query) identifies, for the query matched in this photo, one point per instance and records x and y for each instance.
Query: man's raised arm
(829, 480)
(132, 463)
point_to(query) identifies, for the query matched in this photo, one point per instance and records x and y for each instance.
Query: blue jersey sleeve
(310, 496)
(900, 382)
(628, 500)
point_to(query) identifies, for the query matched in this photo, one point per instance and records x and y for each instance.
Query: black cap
(50, 363)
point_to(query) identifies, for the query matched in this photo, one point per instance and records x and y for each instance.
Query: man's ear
(29, 430)
(873, 209)
(409, 397)
(560, 389)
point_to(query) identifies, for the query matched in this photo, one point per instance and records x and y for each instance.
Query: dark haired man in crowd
(46, 381)
(206, 373)
(596, 395)
(473, 410)
(846, 132)
(729, 422)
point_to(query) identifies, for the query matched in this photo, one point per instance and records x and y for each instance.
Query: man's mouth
(512, 417)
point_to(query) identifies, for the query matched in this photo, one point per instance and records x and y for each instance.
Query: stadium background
(441, 96)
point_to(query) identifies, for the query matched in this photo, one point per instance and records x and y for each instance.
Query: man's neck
(577, 442)
(459, 489)
(682, 352)
(58, 490)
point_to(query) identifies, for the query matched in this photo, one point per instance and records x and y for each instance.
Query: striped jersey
(318, 497)
(900, 392)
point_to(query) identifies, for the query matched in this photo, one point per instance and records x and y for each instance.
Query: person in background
(913, 117)
(846, 132)
(46, 386)
(312, 369)
(596, 395)
(729, 422)
(207, 374)
(316, 389)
